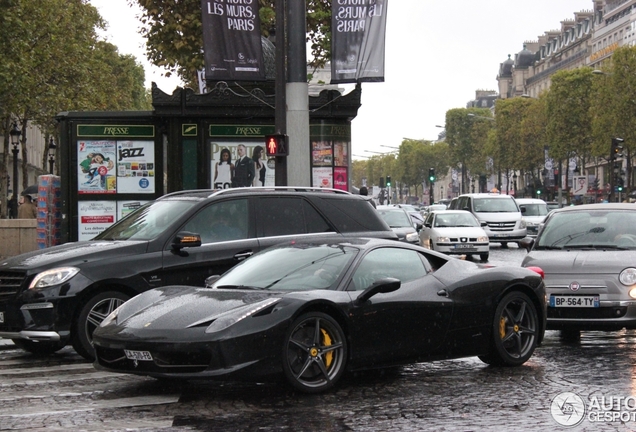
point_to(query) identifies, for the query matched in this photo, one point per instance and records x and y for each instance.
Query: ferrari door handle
(442, 293)
(242, 255)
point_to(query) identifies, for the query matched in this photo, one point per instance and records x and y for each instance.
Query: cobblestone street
(65, 393)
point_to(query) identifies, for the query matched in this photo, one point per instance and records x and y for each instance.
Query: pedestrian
(27, 209)
(12, 206)
(365, 192)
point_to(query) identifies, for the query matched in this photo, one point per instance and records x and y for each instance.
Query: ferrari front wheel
(314, 353)
(515, 331)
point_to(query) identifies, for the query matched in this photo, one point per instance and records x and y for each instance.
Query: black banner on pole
(232, 40)
(358, 29)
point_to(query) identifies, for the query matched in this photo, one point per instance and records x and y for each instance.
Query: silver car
(400, 222)
(455, 232)
(588, 254)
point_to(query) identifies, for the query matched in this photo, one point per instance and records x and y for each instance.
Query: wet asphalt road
(63, 392)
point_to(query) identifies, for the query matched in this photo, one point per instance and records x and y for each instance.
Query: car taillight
(537, 270)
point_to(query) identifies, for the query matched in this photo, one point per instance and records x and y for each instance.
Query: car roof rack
(277, 188)
(215, 192)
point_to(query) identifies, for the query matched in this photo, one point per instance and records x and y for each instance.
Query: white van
(533, 212)
(501, 213)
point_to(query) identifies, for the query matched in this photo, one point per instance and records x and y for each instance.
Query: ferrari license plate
(574, 301)
(464, 246)
(138, 355)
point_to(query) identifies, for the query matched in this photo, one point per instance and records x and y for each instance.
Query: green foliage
(174, 37)
(53, 61)
(568, 112)
(414, 159)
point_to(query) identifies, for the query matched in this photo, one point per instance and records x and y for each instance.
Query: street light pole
(15, 142)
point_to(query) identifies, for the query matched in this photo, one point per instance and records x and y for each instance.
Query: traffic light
(617, 148)
(431, 175)
(388, 181)
(381, 182)
(276, 145)
(620, 183)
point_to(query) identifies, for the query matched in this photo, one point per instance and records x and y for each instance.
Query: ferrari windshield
(147, 222)
(590, 229)
(295, 267)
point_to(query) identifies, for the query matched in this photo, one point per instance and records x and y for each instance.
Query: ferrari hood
(580, 262)
(175, 307)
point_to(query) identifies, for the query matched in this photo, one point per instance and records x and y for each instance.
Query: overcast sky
(438, 53)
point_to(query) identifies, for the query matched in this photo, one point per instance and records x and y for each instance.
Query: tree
(174, 38)
(52, 61)
(416, 157)
(614, 106)
(509, 136)
(466, 134)
(569, 117)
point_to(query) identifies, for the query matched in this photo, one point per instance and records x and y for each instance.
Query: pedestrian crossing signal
(276, 145)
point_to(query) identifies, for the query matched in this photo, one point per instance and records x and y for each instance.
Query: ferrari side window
(402, 264)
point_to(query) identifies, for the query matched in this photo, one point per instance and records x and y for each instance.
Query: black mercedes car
(310, 311)
(58, 295)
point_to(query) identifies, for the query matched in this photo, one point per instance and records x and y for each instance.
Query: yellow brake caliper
(502, 327)
(327, 342)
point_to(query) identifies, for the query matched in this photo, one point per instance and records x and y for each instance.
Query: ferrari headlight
(110, 318)
(442, 240)
(628, 276)
(230, 318)
(52, 277)
(412, 237)
(482, 239)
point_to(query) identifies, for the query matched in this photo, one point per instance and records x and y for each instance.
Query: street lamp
(52, 148)
(15, 142)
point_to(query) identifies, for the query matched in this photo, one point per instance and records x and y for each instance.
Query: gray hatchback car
(588, 254)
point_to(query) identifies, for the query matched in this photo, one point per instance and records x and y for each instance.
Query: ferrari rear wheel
(314, 353)
(515, 331)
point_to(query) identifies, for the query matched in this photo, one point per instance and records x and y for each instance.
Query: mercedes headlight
(52, 277)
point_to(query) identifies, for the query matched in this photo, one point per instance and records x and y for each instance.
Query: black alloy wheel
(93, 312)
(515, 331)
(314, 353)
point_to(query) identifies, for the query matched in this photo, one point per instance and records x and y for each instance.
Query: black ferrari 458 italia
(311, 311)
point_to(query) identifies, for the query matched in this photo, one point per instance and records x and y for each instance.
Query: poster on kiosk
(113, 177)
